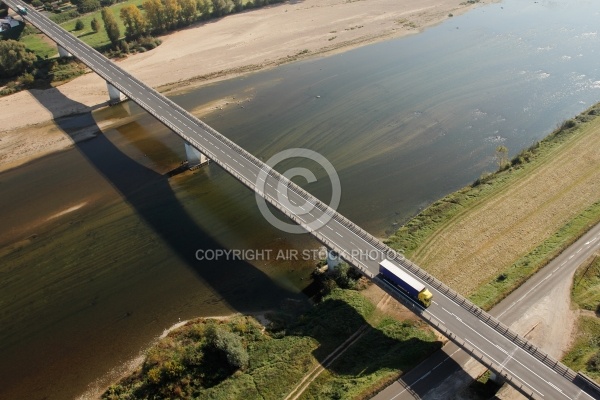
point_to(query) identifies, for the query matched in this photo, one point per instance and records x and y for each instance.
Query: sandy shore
(217, 49)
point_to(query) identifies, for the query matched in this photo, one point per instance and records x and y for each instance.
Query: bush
(346, 276)
(37, 3)
(10, 88)
(594, 363)
(26, 79)
(14, 58)
(149, 42)
(79, 25)
(64, 17)
(230, 344)
(568, 124)
(86, 6)
(95, 25)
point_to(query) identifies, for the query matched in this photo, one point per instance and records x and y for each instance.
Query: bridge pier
(333, 260)
(62, 52)
(114, 95)
(195, 158)
(494, 377)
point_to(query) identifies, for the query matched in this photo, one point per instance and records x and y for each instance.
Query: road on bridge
(435, 374)
(526, 368)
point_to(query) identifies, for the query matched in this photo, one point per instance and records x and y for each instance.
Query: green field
(585, 353)
(99, 39)
(184, 365)
(39, 46)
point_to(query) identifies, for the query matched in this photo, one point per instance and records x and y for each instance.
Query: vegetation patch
(584, 356)
(374, 361)
(118, 29)
(237, 358)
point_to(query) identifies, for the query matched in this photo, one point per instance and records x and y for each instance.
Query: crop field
(485, 239)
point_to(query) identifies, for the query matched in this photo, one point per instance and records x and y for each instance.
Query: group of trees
(164, 15)
(14, 58)
(159, 16)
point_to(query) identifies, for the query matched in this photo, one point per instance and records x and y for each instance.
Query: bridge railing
(468, 348)
(492, 322)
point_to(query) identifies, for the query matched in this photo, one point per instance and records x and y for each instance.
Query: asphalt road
(451, 360)
(461, 322)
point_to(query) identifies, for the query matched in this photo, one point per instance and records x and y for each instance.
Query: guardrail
(587, 382)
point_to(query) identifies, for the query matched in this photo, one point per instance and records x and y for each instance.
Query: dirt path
(334, 355)
(372, 293)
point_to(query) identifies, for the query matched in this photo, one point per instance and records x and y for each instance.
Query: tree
(172, 11)
(501, 156)
(86, 6)
(135, 23)
(593, 363)
(221, 7)
(238, 5)
(155, 15)
(203, 8)
(344, 276)
(187, 11)
(110, 24)
(229, 344)
(14, 58)
(95, 25)
(79, 25)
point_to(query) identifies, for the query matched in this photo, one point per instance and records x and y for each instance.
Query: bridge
(509, 356)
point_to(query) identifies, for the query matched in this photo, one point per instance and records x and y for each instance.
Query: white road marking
(495, 361)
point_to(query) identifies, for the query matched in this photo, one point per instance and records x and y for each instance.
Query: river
(98, 246)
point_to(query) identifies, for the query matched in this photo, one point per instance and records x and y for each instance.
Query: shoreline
(212, 51)
(99, 386)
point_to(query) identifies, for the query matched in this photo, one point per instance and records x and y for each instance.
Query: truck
(399, 279)
(22, 10)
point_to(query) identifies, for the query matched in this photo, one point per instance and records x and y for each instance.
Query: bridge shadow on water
(155, 202)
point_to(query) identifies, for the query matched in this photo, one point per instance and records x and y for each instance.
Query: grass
(37, 44)
(487, 238)
(98, 39)
(585, 352)
(584, 356)
(374, 361)
(586, 286)
(181, 365)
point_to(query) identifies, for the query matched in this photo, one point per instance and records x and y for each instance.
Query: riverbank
(215, 50)
(282, 356)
